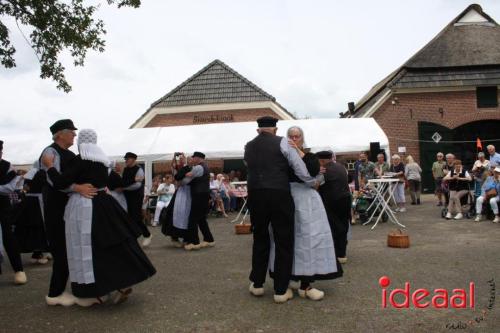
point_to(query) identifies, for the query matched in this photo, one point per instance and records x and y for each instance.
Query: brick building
(446, 92)
(216, 94)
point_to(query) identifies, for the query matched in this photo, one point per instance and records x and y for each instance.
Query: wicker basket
(242, 229)
(398, 239)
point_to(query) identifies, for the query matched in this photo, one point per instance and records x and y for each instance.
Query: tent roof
(219, 140)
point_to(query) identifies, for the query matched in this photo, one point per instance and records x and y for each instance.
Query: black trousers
(273, 207)
(339, 213)
(198, 219)
(9, 240)
(54, 205)
(135, 213)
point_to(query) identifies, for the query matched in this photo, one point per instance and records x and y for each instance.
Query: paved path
(206, 291)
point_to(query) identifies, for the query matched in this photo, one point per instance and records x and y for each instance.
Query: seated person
(165, 193)
(490, 192)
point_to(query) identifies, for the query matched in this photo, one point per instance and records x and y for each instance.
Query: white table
(384, 193)
(243, 193)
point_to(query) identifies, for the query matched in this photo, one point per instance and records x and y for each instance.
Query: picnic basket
(398, 238)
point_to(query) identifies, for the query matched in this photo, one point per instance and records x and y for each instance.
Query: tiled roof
(215, 83)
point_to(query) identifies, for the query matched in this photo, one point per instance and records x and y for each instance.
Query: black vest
(336, 184)
(201, 184)
(66, 157)
(267, 166)
(128, 179)
(458, 185)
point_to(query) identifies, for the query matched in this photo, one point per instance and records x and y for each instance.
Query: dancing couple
(291, 231)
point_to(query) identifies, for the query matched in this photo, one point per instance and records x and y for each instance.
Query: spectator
(450, 158)
(413, 174)
(356, 174)
(381, 166)
(366, 170)
(489, 192)
(223, 192)
(438, 174)
(481, 166)
(458, 181)
(165, 193)
(398, 169)
(494, 156)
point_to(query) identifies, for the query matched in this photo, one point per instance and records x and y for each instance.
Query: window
(487, 97)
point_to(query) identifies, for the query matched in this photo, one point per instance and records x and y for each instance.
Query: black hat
(324, 155)
(61, 125)
(1, 145)
(130, 155)
(267, 121)
(198, 154)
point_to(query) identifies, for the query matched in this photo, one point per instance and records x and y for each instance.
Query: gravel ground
(207, 290)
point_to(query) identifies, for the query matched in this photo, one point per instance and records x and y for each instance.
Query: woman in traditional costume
(101, 240)
(314, 251)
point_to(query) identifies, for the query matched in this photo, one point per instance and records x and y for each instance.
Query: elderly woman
(489, 192)
(413, 174)
(101, 240)
(314, 250)
(458, 181)
(398, 169)
(165, 193)
(479, 169)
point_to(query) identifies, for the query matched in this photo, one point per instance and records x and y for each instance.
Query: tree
(55, 26)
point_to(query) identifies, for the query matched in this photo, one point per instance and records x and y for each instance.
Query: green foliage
(55, 26)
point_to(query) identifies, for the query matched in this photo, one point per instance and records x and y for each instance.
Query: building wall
(209, 117)
(401, 125)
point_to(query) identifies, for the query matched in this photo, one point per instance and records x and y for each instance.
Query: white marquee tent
(224, 141)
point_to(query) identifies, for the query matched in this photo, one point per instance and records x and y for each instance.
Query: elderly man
(269, 158)
(63, 134)
(8, 180)
(438, 174)
(494, 156)
(200, 195)
(133, 182)
(381, 166)
(489, 192)
(366, 170)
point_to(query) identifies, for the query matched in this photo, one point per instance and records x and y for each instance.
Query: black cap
(1, 145)
(130, 155)
(61, 125)
(267, 121)
(198, 154)
(324, 155)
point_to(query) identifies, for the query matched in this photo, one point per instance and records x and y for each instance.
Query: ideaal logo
(439, 299)
(423, 298)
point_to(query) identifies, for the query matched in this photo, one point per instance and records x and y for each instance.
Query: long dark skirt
(30, 228)
(118, 260)
(167, 221)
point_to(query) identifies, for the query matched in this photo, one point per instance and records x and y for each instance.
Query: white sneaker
(147, 241)
(459, 216)
(283, 298)
(402, 210)
(496, 219)
(20, 278)
(312, 293)
(448, 216)
(478, 218)
(256, 291)
(294, 285)
(65, 299)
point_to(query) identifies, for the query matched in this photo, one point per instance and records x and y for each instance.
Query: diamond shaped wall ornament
(436, 137)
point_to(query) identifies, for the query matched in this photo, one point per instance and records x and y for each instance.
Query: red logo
(423, 298)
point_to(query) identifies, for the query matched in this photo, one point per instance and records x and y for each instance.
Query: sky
(313, 56)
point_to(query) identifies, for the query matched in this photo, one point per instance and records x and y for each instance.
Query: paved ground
(206, 291)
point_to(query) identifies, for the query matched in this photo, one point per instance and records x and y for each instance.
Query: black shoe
(413, 203)
(418, 201)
